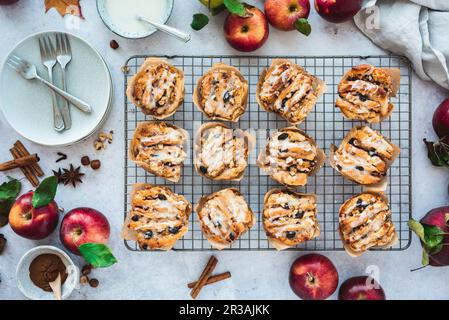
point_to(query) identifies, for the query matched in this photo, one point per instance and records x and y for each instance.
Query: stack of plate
(27, 105)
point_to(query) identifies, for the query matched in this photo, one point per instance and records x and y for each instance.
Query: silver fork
(64, 56)
(48, 57)
(29, 72)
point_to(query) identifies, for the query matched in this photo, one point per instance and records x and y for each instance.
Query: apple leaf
(45, 192)
(5, 207)
(417, 228)
(8, 194)
(97, 254)
(199, 21)
(64, 7)
(10, 189)
(433, 236)
(438, 153)
(236, 7)
(303, 26)
(425, 258)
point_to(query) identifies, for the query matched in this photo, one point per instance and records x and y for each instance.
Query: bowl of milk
(120, 16)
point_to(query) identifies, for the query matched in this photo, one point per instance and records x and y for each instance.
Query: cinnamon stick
(212, 279)
(211, 264)
(29, 174)
(19, 162)
(24, 152)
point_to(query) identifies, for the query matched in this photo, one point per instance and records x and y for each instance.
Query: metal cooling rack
(325, 123)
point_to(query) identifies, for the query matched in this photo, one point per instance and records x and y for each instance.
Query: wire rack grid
(325, 124)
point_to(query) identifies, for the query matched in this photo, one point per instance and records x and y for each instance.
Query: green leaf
(236, 7)
(438, 153)
(303, 26)
(5, 207)
(425, 258)
(433, 236)
(97, 254)
(45, 192)
(417, 227)
(199, 21)
(10, 190)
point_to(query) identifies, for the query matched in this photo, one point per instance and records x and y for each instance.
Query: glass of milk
(120, 16)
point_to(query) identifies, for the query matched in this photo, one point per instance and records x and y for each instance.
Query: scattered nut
(84, 280)
(114, 44)
(85, 161)
(94, 283)
(2, 243)
(85, 270)
(125, 69)
(95, 164)
(98, 145)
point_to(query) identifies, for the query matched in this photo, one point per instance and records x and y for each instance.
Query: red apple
(361, 288)
(440, 121)
(246, 33)
(313, 277)
(282, 14)
(337, 10)
(83, 225)
(32, 223)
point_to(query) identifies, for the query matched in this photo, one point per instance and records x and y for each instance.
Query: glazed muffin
(364, 156)
(364, 93)
(288, 90)
(365, 222)
(290, 157)
(224, 217)
(158, 148)
(221, 153)
(157, 88)
(222, 93)
(158, 217)
(289, 218)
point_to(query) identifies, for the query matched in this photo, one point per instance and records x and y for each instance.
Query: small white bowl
(29, 289)
(101, 8)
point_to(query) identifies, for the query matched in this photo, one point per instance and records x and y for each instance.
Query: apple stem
(422, 267)
(310, 277)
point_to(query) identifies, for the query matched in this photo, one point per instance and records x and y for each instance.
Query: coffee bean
(114, 44)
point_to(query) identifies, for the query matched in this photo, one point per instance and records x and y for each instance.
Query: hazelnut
(84, 280)
(94, 283)
(114, 44)
(95, 164)
(85, 270)
(85, 161)
(98, 145)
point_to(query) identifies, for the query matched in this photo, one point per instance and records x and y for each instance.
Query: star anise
(58, 174)
(72, 176)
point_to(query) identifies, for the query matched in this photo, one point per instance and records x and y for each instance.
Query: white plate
(27, 104)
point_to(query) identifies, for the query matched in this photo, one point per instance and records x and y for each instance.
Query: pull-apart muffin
(158, 147)
(221, 153)
(157, 88)
(288, 90)
(364, 93)
(290, 157)
(224, 217)
(289, 218)
(222, 93)
(364, 156)
(158, 217)
(365, 222)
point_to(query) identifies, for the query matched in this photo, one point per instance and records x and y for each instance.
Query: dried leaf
(64, 7)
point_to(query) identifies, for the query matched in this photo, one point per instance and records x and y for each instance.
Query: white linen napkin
(417, 29)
